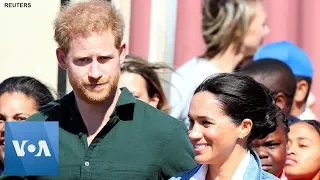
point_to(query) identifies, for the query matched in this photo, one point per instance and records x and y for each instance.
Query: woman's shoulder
(187, 174)
(255, 170)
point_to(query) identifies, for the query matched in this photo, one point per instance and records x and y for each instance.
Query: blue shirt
(253, 172)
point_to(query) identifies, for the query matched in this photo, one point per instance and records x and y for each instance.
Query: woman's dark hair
(29, 86)
(285, 121)
(313, 123)
(137, 65)
(244, 98)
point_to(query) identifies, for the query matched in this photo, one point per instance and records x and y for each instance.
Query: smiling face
(304, 152)
(272, 150)
(93, 66)
(208, 125)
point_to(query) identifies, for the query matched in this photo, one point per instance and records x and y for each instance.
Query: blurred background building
(158, 30)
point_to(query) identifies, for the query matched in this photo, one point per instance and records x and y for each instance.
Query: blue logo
(31, 149)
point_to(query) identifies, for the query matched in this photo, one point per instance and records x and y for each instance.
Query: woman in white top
(231, 30)
(227, 112)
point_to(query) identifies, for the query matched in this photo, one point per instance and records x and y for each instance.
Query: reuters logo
(17, 5)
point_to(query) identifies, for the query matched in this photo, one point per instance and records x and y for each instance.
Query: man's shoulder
(157, 120)
(53, 108)
(45, 112)
(157, 117)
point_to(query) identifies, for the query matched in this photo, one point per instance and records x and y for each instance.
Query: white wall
(27, 46)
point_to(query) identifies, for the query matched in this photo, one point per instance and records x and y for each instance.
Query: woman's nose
(195, 133)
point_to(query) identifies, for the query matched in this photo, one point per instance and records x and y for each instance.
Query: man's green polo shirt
(138, 142)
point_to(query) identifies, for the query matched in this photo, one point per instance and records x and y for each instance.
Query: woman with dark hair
(227, 112)
(142, 80)
(20, 97)
(303, 158)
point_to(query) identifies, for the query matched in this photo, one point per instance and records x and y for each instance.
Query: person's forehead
(13, 103)
(103, 40)
(259, 10)
(303, 130)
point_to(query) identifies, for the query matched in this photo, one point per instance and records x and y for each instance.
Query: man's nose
(95, 70)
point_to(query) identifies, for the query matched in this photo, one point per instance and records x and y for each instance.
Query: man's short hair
(294, 56)
(276, 76)
(85, 18)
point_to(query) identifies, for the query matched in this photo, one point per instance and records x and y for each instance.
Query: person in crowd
(311, 100)
(278, 78)
(302, 68)
(232, 30)
(20, 97)
(121, 136)
(304, 151)
(239, 109)
(142, 80)
(272, 149)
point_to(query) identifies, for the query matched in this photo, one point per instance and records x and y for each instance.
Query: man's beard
(91, 95)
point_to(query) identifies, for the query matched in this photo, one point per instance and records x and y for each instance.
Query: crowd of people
(240, 111)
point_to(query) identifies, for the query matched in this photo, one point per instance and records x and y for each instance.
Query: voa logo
(41, 149)
(31, 148)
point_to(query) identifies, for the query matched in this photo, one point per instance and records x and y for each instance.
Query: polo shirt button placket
(87, 163)
(85, 171)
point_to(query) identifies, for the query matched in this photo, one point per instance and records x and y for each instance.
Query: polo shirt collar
(124, 108)
(126, 97)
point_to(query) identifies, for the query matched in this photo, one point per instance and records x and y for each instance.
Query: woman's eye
(206, 123)
(191, 123)
(21, 118)
(302, 146)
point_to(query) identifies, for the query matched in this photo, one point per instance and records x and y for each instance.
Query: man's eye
(105, 58)
(84, 60)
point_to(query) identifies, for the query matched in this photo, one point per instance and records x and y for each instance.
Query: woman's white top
(238, 175)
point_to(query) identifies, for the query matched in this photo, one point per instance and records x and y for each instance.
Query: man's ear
(123, 53)
(301, 91)
(280, 99)
(61, 56)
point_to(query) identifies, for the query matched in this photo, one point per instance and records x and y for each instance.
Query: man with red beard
(105, 132)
